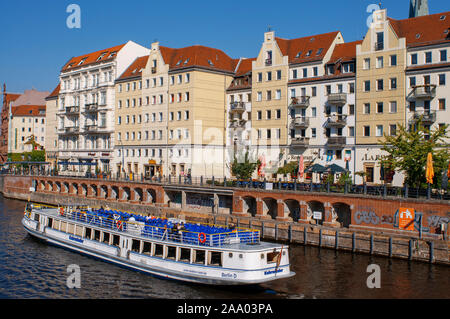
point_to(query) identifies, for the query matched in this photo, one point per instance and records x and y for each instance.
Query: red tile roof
(10, 97)
(135, 68)
(344, 52)
(244, 67)
(424, 30)
(198, 56)
(55, 92)
(28, 110)
(308, 47)
(93, 57)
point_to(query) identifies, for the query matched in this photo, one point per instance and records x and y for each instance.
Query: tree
(408, 150)
(244, 168)
(289, 168)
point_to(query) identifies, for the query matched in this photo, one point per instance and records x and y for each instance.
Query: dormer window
(319, 52)
(101, 56)
(298, 54)
(113, 54)
(309, 53)
(179, 62)
(187, 60)
(330, 70)
(82, 61)
(210, 63)
(70, 65)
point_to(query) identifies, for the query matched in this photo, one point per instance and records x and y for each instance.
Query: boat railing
(215, 237)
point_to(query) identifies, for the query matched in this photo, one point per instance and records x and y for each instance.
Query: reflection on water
(33, 269)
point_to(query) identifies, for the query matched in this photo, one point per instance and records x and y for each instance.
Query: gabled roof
(344, 52)
(198, 56)
(306, 49)
(244, 67)
(10, 97)
(423, 30)
(55, 92)
(94, 57)
(28, 110)
(135, 68)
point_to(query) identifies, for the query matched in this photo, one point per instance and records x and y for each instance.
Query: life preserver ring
(119, 225)
(61, 211)
(202, 238)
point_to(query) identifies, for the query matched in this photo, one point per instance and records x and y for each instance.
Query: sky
(35, 41)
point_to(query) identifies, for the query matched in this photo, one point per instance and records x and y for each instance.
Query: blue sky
(35, 41)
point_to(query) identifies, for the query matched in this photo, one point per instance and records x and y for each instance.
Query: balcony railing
(268, 62)
(93, 107)
(337, 141)
(71, 130)
(428, 117)
(301, 122)
(72, 109)
(301, 101)
(91, 128)
(379, 46)
(337, 98)
(235, 123)
(300, 142)
(337, 120)
(427, 91)
(237, 107)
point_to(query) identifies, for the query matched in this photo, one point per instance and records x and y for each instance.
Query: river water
(31, 269)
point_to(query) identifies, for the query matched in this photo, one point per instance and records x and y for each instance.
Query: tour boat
(167, 248)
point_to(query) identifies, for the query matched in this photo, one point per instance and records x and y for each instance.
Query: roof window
(443, 17)
(179, 62)
(82, 61)
(311, 40)
(319, 52)
(309, 53)
(418, 36)
(101, 56)
(113, 54)
(187, 60)
(210, 63)
(298, 54)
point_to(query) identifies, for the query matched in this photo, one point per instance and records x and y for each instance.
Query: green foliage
(408, 150)
(343, 178)
(289, 168)
(34, 156)
(243, 168)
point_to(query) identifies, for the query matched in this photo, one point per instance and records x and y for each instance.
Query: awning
(333, 168)
(316, 168)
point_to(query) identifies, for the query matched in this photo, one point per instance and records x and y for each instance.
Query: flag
(262, 160)
(448, 170)
(301, 167)
(430, 170)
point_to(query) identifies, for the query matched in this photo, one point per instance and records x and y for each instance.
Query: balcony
(93, 107)
(72, 130)
(300, 122)
(428, 117)
(72, 109)
(268, 62)
(379, 46)
(237, 123)
(237, 107)
(153, 69)
(427, 91)
(301, 101)
(337, 99)
(300, 142)
(337, 141)
(91, 128)
(337, 120)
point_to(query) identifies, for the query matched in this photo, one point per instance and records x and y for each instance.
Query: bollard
(320, 238)
(311, 186)
(406, 191)
(213, 183)
(431, 251)
(410, 250)
(225, 181)
(305, 236)
(390, 247)
(328, 186)
(262, 229)
(384, 191)
(336, 240)
(295, 185)
(371, 244)
(201, 180)
(353, 242)
(290, 233)
(276, 231)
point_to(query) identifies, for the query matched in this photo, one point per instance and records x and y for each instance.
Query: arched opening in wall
(104, 191)
(84, 189)
(74, 188)
(58, 187)
(173, 199)
(50, 186)
(342, 214)
(314, 208)
(126, 193)
(94, 190)
(292, 209)
(270, 207)
(151, 195)
(42, 186)
(65, 187)
(138, 194)
(249, 205)
(114, 192)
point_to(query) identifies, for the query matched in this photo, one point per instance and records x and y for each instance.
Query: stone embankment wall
(353, 223)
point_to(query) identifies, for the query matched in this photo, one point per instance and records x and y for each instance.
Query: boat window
(135, 245)
(171, 252)
(50, 222)
(272, 257)
(159, 250)
(56, 224)
(185, 254)
(106, 237)
(116, 240)
(36, 217)
(79, 230)
(262, 256)
(88, 233)
(147, 249)
(70, 228)
(215, 258)
(199, 257)
(97, 235)
(230, 255)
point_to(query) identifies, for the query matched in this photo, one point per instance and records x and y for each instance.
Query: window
(279, 75)
(313, 132)
(441, 104)
(269, 76)
(379, 131)
(314, 91)
(294, 74)
(367, 130)
(259, 77)
(186, 115)
(366, 64)
(414, 58)
(313, 112)
(367, 108)
(412, 106)
(380, 107)
(269, 95)
(278, 114)
(351, 87)
(443, 55)
(315, 71)
(259, 115)
(328, 89)
(187, 77)
(393, 107)
(392, 129)
(269, 114)
(351, 131)
(412, 81)
(380, 41)
(351, 109)
(428, 57)
(305, 73)
(259, 96)
(393, 83)
(442, 79)
(380, 62)
(269, 133)
(380, 85)
(393, 59)
(367, 86)
(278, 94)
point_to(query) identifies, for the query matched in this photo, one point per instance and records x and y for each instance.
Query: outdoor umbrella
(301, 167)
(333, 168)
(316, 168)
(430, 170)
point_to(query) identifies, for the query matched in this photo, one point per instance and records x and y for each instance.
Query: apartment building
(128, 118)
(27, 128)
(87, 105)
(401, 76)
(51, 129)
(8, 99)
